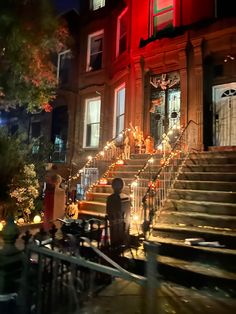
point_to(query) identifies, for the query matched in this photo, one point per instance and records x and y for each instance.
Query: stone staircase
(202, 204)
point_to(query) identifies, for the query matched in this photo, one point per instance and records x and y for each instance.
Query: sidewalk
(123, 297)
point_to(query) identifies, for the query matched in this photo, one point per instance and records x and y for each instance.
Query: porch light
(37, 219)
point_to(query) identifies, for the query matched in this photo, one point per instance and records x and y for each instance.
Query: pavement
(122, 297)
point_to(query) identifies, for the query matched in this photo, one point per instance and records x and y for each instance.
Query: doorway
(164, 106)
(224, 114)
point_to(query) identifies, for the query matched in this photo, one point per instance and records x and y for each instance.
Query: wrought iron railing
(149, 190)
(50, 275)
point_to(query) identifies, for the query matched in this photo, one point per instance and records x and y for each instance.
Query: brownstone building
(154, 64)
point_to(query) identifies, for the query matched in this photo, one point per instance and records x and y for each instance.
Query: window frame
(87, 101)
(59, 62)
(118, 35)
(116, 117)
(90, 36)
(154, 12)
(94, 8)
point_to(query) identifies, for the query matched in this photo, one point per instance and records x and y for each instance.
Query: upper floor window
(63, 67)
(122, 24)
(119, 117)
(92, 122)
(94, 54)
(97, 4)
(162, 13)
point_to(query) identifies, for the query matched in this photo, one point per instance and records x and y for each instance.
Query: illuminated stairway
(95, 203)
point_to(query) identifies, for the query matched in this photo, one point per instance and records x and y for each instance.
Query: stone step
(211, 154)
(200, 207)
(187, 272)
(97, 197)
(198, 219)
(97, 208)
(203, 195)
(207, 176)
(108, 189)
(211, 160)
(196, 274)
(210, 168)
(224, 236)
(131, 174)
(221, 257)
(205, 185)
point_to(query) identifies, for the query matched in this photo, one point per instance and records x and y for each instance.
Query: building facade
(150, 64)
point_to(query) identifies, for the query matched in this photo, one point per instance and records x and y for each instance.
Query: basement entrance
(224, 114)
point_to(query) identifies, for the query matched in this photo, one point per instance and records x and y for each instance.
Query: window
(119, 124)
(162, 13)
(97, 4)
(63, 67)
(94, 56)
(122, 24)
(92, 122)
(35, 129)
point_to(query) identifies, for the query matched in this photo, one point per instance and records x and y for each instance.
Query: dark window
(64, 67)
(35, 129)
(95, 52)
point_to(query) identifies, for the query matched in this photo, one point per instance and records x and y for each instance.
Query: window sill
(91, 73)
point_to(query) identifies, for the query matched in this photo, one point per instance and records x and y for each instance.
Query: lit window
(122, 23)
(119, 124)
(162, 15)
(63, 67)
(97, 4)
(92, 122)
(94, 56)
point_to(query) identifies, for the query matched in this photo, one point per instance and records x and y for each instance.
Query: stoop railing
(62, 283)
(119, 148)
(159, 175)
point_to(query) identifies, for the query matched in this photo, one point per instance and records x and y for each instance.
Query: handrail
(166, 162)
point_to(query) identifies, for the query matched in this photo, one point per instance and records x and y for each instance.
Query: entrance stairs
(201, 204)
(95, 203)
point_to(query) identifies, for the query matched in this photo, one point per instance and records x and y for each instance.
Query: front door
(164, 106)
(224, 114)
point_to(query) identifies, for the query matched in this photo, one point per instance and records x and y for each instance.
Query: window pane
(95, 53)
(92, 123)
(120, 124)
(96, 62)
(121, 102)
(93, 111)
(122, 44)
(164, 20)
(64, 67)
(97, 4)
(163, 4)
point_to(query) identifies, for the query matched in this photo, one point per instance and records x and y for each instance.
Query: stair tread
(202, 202)
(207, 172)
(204, 191)
(196, 214)
(92, 202)
(196, 181)
(91, 213)
(179, 242)
(205, 229)
(197, 267)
